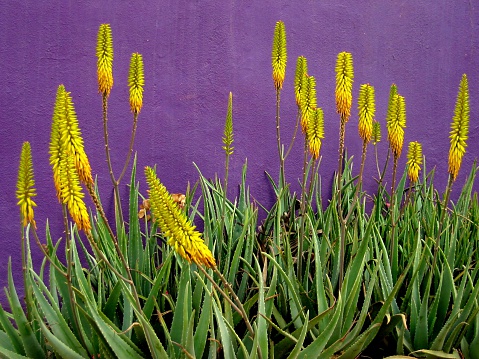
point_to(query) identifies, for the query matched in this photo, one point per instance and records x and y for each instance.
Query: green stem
(360, 181)
(223, 209)
(278, 138)
(394, 244)
(108, 158)
(303, 211)
(130, 150)
(298, 117)
(342, 247)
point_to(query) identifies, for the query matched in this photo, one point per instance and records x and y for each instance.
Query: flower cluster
(181, 233)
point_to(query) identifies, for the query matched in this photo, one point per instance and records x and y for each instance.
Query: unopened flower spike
(315, 132)
(344, 84)
(396, 123)
(376, 135)
(136, 81)
(25, 186)
(228, 132)
(299, 78)
(309, 102)
(174, 224)
(459, 129)
(393, 91)
(56, 149)
(71, 138)
(367, 111)
(71, 192)
(104, 54)
(414, 160)
(279, 55)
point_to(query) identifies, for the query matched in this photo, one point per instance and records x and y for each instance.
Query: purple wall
(194, 54)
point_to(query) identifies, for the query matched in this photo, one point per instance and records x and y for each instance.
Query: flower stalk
(458, 137)
(136, 82)
(279, 59)
(396, 122)
(344, 97)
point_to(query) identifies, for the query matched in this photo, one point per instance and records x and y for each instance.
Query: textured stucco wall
(195, 52)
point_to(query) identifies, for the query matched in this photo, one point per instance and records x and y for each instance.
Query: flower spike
(279, 55)
(315, 132)
(25, 186)
(367, 111)
(459, 129)
(71, 138)
(414, 160)
(376, 135)
(56, 149)
(228, 132)
(308, 103)
(71, 192)
(344, 84)
(104, 53)
(136, 81)
(299, 78)
(174, 224)
(396, 123)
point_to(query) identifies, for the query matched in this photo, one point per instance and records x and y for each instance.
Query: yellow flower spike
(376, 135)
(174, 224)
(344, 84)
(414, 160)
(71, 138)
(25, 186)
(71, 192)
(55, 139)
(315, 132)
(299, 78)
(104, 54)
(279, 55)
(308, 102)
(136, 81)
(367, 111)
(459, 129)
(228, 131)
(396, 122)
(391, 102)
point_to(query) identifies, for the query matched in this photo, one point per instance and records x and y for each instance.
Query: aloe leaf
(226, 341)
(183, 307)
(58, 345)
(262, 332)
(314, 349)
(11, 332)
(421, 334)
(156, 348)
(285, 344)
(55, 319)
(7, 354)
(364, 310)
(118, 343)
(299, 344)
(30, 342)
(291, 288)
(158, 282)
(361, 342)
(436, 354)
(188, 339)
(203, 323)
(111, 304)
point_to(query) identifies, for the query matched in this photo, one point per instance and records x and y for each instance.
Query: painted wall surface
(195, 52)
